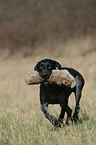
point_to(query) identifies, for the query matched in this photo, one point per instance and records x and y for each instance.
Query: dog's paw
(75, 118)
(61, 124)
(57, 123)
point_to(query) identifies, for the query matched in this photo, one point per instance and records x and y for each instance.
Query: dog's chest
(53, 94)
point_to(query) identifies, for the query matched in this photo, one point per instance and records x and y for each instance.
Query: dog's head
(45, 67)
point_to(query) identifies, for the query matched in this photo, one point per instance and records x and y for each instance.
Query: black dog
(58, 94)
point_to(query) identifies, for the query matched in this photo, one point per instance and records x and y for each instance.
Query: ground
(21, 120)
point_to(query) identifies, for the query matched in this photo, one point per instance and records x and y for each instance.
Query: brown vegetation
(34, 23)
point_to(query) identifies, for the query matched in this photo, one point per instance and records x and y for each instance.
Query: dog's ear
(56, 64)
(36, 68)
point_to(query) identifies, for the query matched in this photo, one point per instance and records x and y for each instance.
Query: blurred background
(28, 25)
(61, 29)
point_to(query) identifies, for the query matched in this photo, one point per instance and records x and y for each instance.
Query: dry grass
(22, 122)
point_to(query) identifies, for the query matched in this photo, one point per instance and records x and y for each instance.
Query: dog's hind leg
(77, 108)
(79, 86)
(65, 108)
(68, 110)
(69, 114)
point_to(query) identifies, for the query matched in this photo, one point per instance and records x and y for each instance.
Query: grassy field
(21, 120)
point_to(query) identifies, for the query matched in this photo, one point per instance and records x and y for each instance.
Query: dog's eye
(49, 66)
(41, 66)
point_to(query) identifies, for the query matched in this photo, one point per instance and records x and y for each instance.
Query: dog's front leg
(51, 118)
